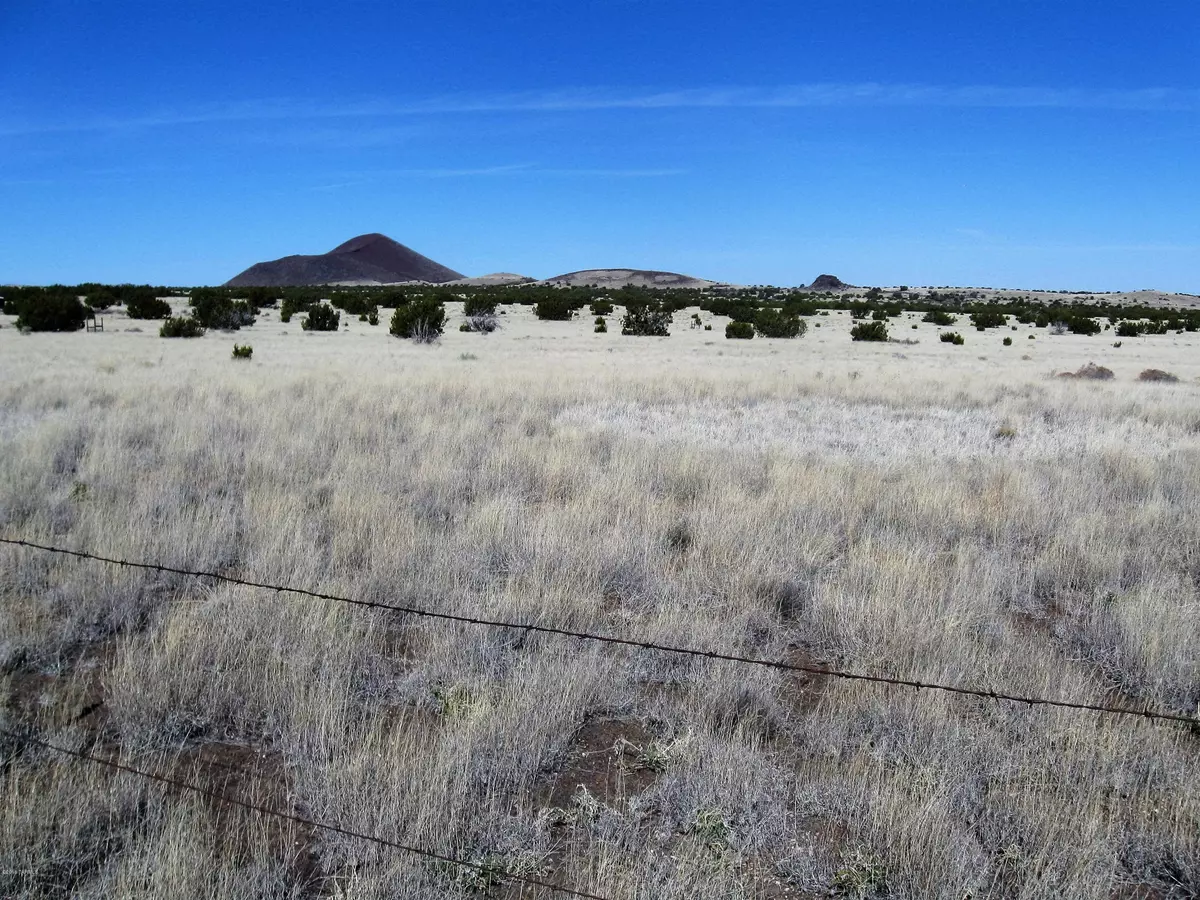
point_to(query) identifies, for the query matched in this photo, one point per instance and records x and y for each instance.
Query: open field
(927, 511)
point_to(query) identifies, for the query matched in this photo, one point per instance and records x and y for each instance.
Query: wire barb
(300, 820)
(1146, 713)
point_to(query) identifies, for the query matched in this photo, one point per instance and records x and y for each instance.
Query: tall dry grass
(1032, 536)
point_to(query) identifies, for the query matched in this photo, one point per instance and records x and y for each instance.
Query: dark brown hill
(829, 283)
(366, 259)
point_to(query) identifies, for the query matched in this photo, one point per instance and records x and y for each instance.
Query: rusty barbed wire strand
(300, 820)
(1147, 713)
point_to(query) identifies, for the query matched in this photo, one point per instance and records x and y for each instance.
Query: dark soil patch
(604, 759)
(255, 775)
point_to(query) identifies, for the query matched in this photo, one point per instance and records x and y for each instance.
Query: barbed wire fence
(1145, 714)
(220, 797)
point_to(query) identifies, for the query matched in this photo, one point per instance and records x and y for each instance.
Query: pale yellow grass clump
(912, 511)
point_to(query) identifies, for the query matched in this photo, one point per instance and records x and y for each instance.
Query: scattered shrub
(181, 327)
(709, 327)
(481, 323)
(422, 320)
(293, 304)
(479, 305)
(240, 352)
(142, 304)
(1156, 375)
(988, 319)
(391, 299)
(601, 325)
(739, 330)
(1007, 342)
(100, 300)
(1129, 329)
(774, 324)
(258, 297)
(353, 304)
(952, 337)
(373, 317)
(215, 309)
(51, 311)
(601, 308)
(321, 317)
(557, 309)
(1083, 325)
(1090, 371)
(869, 331)
(646, 320)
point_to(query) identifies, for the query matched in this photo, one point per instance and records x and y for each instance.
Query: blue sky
(1021, 144)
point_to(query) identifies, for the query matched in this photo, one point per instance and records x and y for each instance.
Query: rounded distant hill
(618, 278)
(828, 283)
(366, 259)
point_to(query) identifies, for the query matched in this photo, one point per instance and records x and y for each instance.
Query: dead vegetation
(1156, 375)
(1091, 372)
(1030, 559)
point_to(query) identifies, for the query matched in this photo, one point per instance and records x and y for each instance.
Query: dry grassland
(935, 512)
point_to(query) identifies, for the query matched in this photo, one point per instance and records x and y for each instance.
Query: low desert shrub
(939, 317)
(774, 324)
(142, 304)
(353, 304)
(242, 352)
(1007, 342)
(215, 309)
(648, 320)
(869, 331)
(1156, 375)
(422, 320)
(1083, 325)
(739, 330)
(1090, 371)
(479, 305)
(480, 323)
(51, 311)
(294, 304)
(181, 327)
(601, 325)
(258, 297)
(951, 337)
(1129, 329)
(100, 300)
(601, 308)
(321, 317)
(987, 318)
(556, 309)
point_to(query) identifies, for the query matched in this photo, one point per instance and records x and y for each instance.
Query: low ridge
(366, 259)
(617, 278)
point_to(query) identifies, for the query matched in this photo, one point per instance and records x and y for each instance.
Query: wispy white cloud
(531, 170)
(867, 94)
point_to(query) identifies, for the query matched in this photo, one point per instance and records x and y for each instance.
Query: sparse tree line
(768, 311)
